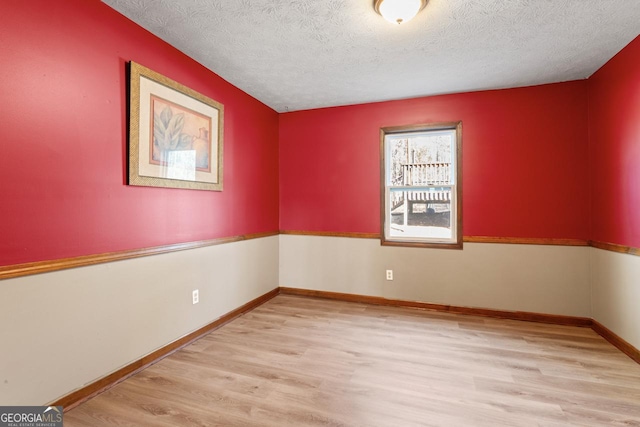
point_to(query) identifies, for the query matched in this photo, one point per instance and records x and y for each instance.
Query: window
(421, 185)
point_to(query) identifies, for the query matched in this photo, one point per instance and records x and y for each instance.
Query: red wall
(63, 140)
(524, 161)
(614, 148)
(63, 149)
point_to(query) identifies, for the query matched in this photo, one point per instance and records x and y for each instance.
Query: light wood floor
(299, 361)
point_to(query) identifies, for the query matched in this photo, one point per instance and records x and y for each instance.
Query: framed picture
(175, 134)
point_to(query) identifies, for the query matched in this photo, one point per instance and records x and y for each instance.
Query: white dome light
(399, 11)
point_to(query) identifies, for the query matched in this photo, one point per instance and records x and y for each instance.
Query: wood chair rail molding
(26, 269)
(331, 234)
(550, 241)
(526, 241)
(466, 239)
(615, 248)
(29, 268)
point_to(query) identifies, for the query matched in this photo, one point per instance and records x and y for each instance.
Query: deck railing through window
(426, 173)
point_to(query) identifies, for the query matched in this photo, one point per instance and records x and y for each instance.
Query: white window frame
(389, 133)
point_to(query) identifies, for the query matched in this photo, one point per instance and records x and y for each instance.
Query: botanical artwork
(179, 129)
(175, 134)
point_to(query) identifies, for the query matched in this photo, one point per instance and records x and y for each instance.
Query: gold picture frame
(175, 134)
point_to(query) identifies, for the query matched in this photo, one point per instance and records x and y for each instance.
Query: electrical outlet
(195, 296)
(389, 274)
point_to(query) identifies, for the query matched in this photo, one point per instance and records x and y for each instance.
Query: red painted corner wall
(524, 161)
(63, 140)
(614, 148)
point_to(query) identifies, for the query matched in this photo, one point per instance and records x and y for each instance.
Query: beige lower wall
(534, 278)
(615, 283)
(60, 331)
(63, 330)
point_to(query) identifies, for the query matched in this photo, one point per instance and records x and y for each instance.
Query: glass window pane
(421, 159)
(423, 213)
(420, 206)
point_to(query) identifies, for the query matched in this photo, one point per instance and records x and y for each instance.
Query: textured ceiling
(301, 54)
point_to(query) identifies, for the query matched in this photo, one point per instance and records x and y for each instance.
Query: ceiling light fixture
(399, 11)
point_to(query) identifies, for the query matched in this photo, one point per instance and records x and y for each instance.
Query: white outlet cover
(195, 296)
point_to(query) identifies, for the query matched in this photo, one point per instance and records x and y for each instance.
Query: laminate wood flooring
(298, 361)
